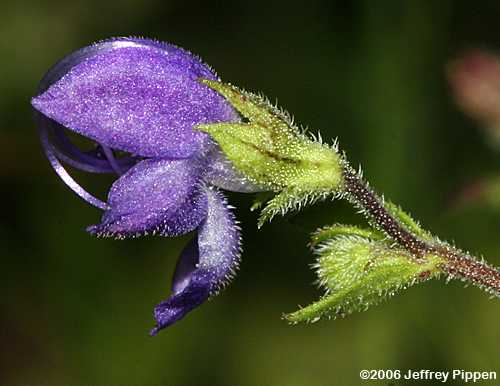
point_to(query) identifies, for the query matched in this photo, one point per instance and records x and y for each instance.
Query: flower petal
(52, 156)
(185, 266)
(177, 306)
(134, 95)
(206, 264)
(158, 196)
(54, 139)
(219, 240)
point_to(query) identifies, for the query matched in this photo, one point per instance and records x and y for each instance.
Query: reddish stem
(458, 264)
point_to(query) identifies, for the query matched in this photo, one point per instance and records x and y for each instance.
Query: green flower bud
(358, 271)
(327, 233)
(274, 153)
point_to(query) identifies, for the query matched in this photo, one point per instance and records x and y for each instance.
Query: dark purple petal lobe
(185, 266)
(177, 306)
(157, 196)
(206, 264)
(137, 97)
(52, 156)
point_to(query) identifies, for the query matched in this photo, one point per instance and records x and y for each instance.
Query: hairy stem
(462, 266)
(458, 264)
(366, 200)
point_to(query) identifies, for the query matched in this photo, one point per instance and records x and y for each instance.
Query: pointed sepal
(273, 153)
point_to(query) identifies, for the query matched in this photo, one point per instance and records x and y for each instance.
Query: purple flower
(139, 101)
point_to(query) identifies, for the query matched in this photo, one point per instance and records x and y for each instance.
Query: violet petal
(52, 156)
(206, 264)
(218, 240)
(186, 265)
(139, 96)
(177, 306)
(155, 196)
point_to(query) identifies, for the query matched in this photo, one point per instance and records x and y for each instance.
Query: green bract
(272, 152)
(358, 268)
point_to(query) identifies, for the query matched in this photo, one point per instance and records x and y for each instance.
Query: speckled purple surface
(141, 98)
(155, 196)
(206, 264)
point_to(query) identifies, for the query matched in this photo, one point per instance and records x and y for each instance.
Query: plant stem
(462, 266)
(361, 195)
(458, 264)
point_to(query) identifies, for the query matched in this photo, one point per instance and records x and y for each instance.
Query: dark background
(76, 310)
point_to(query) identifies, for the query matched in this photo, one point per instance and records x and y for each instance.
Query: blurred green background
(76, 310)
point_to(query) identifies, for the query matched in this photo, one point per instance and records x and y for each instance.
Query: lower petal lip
(177, 306)
(205, 265)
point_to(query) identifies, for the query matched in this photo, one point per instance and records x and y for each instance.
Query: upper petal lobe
(139, 96)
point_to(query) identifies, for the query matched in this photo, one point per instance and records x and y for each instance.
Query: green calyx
(357, 268)
(271, 152)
